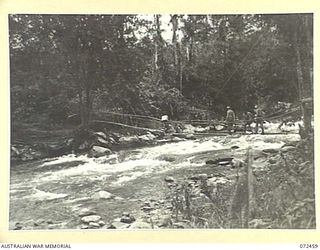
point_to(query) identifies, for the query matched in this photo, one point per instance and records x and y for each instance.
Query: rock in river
(101, 223)
(94, 225)
(169, 179)
(147, 208)
(85, 212)
(118, 225)
(147, 137)
(129, 139)
(102, 142)
(177, 139)
(90, 218)
(103, 195)
(270, 150)
(97, 151)
(190, 137)
(127, 219)
(100, 134)
(140, 225)
(84, 227)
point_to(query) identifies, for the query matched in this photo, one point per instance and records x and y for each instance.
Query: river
(49, 193)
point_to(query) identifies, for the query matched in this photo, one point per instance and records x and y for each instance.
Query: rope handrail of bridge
(277, 115)
(132, 115)
(128, 126)
(196, 122)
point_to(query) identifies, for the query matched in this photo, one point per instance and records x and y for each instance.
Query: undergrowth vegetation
(282, 195)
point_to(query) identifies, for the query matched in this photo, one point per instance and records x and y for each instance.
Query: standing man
(248, 119)
(230, 119)
(259, 119)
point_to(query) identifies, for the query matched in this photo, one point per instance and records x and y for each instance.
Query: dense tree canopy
(76, 64)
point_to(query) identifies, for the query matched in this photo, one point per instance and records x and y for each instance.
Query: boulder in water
(85, 212)
(149, 137)
(176, 139)
(101, 135)
(147, 208)
(98, 151)
(90, 218)
(270, 150)
(101, 141)
(190, 137)
(223, 163)
(140, 225)
(127, 219)
(219, 127)
(94, 225)
(169, 179)
(101, 223)
(220, 161)
(129, 139)
(103, 195)
(118, 225)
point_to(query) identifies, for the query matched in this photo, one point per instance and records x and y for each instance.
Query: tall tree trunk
(190, 57)
(179, 67)
(176, 50)
(308, 27)
(303, 84)
(157, 50)
(174, 21)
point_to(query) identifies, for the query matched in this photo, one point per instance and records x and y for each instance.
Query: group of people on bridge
(249, 118)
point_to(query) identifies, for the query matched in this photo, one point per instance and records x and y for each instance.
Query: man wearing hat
(258, 119)
(230, 119)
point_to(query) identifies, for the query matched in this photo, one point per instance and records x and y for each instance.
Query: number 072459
(312, 246)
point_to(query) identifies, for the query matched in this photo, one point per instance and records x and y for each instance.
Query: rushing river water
(52, 191)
